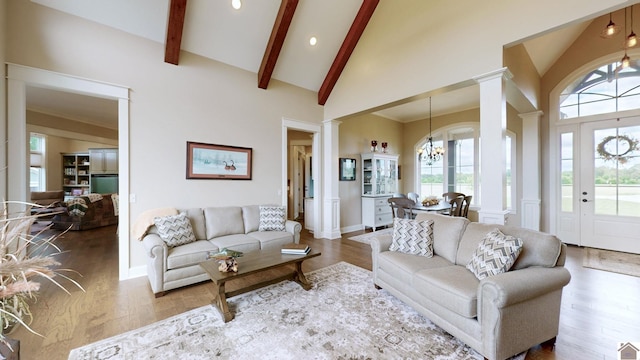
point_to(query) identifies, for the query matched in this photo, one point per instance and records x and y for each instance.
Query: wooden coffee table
(253, 263)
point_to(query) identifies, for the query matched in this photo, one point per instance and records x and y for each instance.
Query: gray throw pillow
(272, 218)
(495, 254)
(175, 230)
(412, 237)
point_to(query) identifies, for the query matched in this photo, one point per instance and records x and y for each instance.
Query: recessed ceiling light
(237, 4)
(313, 41)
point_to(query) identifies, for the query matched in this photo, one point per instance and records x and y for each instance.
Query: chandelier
(433, 153)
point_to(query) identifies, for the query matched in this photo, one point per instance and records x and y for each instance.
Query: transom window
(607, 89)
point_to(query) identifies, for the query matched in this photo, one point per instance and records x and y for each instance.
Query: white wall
(200, 100)
(3, 99)
(420, 46)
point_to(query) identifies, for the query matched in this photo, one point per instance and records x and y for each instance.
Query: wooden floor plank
(599, 309)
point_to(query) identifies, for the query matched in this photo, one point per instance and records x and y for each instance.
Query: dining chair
(456, 206)
(414, 196)
(448, 196)
(402, 207)
(465, 206)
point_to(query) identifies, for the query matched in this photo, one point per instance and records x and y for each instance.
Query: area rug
(366, 238)
(613, 261)
(342, 317)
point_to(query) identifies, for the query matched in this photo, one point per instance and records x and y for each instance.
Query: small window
(37, 178)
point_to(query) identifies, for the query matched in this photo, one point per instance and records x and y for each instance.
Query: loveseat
(214, 228)
(499, 316)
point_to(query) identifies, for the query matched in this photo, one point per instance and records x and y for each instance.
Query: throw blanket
(145, 220)
(78, 205)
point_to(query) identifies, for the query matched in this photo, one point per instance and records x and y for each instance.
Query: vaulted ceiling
(271, 39)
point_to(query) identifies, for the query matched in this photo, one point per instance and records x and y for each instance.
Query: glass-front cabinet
(379, 183)
(379, 174)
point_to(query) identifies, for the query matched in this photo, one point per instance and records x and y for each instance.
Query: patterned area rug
(613, 261)
(342, 317)
(366, 238)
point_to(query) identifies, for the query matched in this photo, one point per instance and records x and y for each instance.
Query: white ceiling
(215, 30)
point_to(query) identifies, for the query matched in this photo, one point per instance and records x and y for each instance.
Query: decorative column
(330, 193)
(17, 145)
(493, 127)
(531, 170)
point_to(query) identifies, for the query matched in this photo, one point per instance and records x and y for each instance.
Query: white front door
(608, 185)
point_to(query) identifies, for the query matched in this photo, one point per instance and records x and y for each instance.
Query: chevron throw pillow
(495, 254)
(412, 237)
(175, 229)
(272, 218)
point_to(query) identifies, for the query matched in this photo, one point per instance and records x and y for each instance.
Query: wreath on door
(609, 151)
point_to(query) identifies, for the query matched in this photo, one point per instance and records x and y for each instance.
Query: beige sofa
(215, 228)
(499, 316)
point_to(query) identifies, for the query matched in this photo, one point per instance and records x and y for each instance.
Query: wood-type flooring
(599, 309)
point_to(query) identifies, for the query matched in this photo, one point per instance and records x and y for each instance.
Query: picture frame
(347, 169)
(76, 192)
(212, 161)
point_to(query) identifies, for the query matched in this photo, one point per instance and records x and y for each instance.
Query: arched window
(458, 170)
(610, 88)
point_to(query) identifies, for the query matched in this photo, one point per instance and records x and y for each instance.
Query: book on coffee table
(295, 249)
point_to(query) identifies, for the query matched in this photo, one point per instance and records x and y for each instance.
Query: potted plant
(25, 259)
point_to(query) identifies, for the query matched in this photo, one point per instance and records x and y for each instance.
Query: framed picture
(210, 161)
(347, 169)
(76, 192)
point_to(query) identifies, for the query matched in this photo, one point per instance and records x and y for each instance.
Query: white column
(330, 193)
(493, 127)
(531, 170)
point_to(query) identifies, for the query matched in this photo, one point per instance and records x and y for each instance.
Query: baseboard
(352, 228)
(137, 271)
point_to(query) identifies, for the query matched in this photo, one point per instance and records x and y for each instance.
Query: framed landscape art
(347, 169)
(211, 161)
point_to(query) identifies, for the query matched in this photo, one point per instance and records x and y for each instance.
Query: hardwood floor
(599, 309)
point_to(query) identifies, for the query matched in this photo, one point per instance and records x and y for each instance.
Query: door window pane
(567, 176)
(617, 171)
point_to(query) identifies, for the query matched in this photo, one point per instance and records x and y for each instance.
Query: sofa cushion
(272, 218)
(495, 254)
(402, 266)
(238, 242)
(412, 237)
(251, 217)
(272, 239)
(175, 230)
(196, 217)
(189, 254)
(222, 221)
(452, 287)
(538, 248)
(447, 231)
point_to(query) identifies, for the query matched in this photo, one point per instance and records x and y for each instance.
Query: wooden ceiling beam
(177, 10)
(278, 35)
(348, 45)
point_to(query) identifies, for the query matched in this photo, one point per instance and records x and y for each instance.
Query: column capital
(531, 115)
(500, 73)
(331, 122)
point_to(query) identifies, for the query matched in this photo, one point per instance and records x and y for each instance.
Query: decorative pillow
(413, 237)
(495, 254)
(272, 218)
(175, 229)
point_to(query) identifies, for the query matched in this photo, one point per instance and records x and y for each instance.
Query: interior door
(609, 184)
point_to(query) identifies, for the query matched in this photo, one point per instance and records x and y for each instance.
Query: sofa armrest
(516, 286)
(529, 296)
(381, 243)
(294, 228)
(157, 252)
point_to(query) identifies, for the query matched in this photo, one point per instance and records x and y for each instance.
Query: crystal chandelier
(433, 153)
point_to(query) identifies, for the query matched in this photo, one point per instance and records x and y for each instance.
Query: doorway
(18, 78)
(600, 184)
